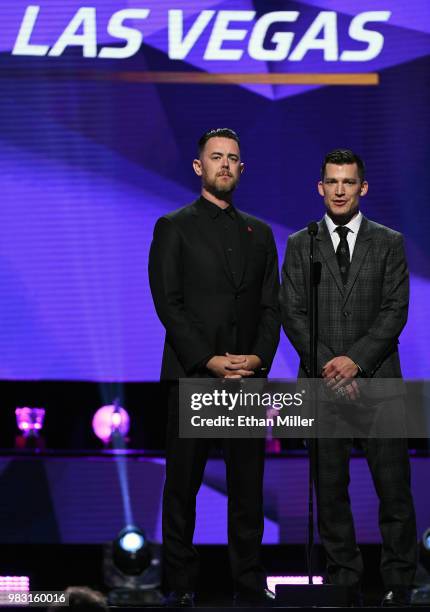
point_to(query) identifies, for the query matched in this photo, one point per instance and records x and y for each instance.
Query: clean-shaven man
(363, 305)
(214, 279)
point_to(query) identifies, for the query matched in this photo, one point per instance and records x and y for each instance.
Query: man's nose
(340, 189)
(225, 162)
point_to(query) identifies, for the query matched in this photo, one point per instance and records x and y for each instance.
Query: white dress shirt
(353, 226)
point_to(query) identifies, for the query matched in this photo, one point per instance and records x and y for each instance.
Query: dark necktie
(342, 253)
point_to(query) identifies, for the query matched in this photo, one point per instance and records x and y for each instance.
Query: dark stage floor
(55, 567)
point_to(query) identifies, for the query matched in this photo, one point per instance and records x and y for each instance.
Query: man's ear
(364, 188)
(320, 188)
(242, 167)
(197, 165)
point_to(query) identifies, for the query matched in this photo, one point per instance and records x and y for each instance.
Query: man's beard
(219, 190)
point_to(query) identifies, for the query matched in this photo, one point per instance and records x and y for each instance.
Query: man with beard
(362, 308)
(214, 280)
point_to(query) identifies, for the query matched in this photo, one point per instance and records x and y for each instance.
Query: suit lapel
(361, 247)
(325, 246)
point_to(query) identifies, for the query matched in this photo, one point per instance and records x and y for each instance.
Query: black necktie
(342, 253)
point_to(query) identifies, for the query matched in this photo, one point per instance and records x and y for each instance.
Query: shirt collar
(353, 225)
(213, 210)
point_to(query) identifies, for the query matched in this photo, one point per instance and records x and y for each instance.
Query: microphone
(313, 228)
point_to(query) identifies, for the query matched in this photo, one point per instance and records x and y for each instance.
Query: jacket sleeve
(166, 282)
(370, 350)
(294, 308)
(267, 338)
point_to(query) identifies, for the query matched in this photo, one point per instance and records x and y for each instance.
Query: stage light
(421, 595)
(10, 585)
(131, 564)
(426, 539)
(132, 569)
(30, 424)
(109, 420)
(30, 420)
(14, 583)
(423, 571)
(130, 551)
(132, 541)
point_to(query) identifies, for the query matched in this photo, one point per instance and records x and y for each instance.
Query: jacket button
(236, 296)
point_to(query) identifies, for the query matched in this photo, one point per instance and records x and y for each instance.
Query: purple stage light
(30, 420)
(14, 583)
(109, 419)
(272, 581)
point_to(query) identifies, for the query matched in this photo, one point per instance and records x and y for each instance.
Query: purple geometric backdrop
(78, 500)
(90, 158)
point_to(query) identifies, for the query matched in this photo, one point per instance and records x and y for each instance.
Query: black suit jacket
(203, 310)
(362, 320)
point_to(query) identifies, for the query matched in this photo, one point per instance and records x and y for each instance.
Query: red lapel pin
(249, 229)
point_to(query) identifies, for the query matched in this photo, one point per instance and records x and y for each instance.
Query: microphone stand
(311, 594)
(313, 338)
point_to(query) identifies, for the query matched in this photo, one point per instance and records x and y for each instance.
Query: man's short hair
(217, 133)
(341, 157)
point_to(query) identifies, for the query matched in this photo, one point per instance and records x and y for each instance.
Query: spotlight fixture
(421, 595)
(426, 539)
(30, 420)
(111, 420)
(132, 569)
(424, 559)
(15, 583)
(30, 423)
(130, 551)
(10, 585)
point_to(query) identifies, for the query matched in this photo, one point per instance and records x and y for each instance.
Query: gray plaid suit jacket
(362, 320)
